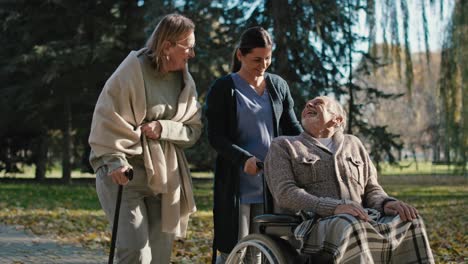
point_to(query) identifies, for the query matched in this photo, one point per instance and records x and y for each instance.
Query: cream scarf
(120, 110)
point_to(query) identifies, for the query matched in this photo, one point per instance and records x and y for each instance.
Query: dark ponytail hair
(254, 37)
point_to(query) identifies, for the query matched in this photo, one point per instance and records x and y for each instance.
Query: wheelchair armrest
(277, 219)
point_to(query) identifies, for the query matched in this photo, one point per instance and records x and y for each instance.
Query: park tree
(453, 87)
(315, 51)
(443, 76)
(416, 120)
(57, 55)
(318, 50)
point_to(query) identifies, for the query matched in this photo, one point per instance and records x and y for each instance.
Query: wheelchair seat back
(277, 225)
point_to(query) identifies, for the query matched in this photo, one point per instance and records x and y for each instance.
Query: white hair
(335, 108)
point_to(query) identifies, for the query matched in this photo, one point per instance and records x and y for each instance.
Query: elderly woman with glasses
(145, 116)
(328, 176)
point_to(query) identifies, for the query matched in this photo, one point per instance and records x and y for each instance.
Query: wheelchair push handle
(260, 165)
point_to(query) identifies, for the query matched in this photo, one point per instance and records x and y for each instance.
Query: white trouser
(247, 212)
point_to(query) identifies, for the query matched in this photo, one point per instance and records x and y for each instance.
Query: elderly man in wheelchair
(333, 209)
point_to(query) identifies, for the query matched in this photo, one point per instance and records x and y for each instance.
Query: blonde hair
(172, 28)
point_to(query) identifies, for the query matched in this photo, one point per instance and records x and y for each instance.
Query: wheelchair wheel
(257, 248)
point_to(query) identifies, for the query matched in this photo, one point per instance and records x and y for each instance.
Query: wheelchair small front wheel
(257, 248)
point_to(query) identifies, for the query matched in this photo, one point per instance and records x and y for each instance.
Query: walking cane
(129, 175)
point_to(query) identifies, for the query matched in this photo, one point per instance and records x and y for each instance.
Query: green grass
(27, 172)
(203, 174)
(411, 168)
(56, 172)
(404, 168)
(443, 206)
(49, 197)
(72, 214)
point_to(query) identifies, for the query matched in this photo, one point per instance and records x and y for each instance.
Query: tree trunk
(436, 145)
(66, 143)
(447, 151)
(281, 23)
(413, 151)
(350, 43)
(41, 157)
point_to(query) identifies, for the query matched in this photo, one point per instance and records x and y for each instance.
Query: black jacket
(220, 109)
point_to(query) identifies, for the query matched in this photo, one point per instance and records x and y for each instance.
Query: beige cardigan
(120, 110)
(302, 174)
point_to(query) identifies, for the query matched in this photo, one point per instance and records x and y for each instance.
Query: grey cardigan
(302, 174)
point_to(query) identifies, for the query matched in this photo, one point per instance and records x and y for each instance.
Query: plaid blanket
(381, 240)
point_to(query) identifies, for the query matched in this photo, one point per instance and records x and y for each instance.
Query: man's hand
(118, 175)
(406, 211)
(352, 209)
(152, 130)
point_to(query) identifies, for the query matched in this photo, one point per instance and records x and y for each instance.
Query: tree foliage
(453, 87)
(57, 55)
(56, 58)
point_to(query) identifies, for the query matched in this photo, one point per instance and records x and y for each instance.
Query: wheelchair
(275, 243)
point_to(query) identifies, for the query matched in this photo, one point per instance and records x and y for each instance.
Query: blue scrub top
(254, 134)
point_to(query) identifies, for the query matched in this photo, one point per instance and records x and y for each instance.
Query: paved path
(18, 246)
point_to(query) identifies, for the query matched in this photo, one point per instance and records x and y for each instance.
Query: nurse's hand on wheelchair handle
(260, 165)
(250, 166)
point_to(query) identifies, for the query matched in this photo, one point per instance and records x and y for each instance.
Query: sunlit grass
(403, 168)
(422, 167)
(443, 208)
(202, 174)
(51, 197)
(28, 172)
(71, 213)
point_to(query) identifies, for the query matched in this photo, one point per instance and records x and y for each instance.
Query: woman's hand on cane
(118, 175)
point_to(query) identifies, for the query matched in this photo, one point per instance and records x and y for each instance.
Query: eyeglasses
(187, 48)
